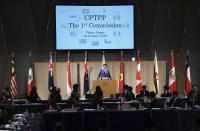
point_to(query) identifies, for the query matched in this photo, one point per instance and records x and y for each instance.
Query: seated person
(58, 97)
(166, 92)
(98, 96)
(52, 103)
(33, 98)
(190, 99)
(154, 102)
(175, 101)
(104, 73)
(125, 90)
(144, 92)
(75, 94)
(129, 95)
(196, 93)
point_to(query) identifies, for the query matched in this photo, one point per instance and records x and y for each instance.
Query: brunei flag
(121, 81)
(155, 76)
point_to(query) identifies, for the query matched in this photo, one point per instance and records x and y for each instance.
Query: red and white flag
(30, 77)
(69, 85)
(13, 78)
(172, 75)
(121, 77)
(187, 76)
(138, 75)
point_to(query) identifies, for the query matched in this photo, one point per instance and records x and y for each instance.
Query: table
(165, 120)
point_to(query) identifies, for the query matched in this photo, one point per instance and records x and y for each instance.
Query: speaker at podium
(108, 87)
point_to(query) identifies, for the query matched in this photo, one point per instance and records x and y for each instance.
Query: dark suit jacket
(167, 94)
(144, 93)
(129, 96)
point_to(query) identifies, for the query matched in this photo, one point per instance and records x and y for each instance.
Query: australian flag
(50, 74)
(86, 84)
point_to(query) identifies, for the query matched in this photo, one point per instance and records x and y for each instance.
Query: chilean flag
(172, 75)
(69, 85)
(121, 81)
(50, 74)
(86, 84)
(187, 76)
(138, 75)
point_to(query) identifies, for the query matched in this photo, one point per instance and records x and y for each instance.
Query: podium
(108, 87)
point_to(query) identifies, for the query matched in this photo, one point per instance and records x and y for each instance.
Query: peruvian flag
(187, 76)
(30, 77)
(121, 81)
(172, 76)
(69, 85)
(138, 75)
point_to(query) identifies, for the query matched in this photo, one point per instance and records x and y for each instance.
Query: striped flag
(138, 75)
(103, 60)
(13, 78)
(86, 84)
(30, 77)
(172, 75)
(121, 81)
(187, 76)
(155, 76)
(69, 85)
(50, 74)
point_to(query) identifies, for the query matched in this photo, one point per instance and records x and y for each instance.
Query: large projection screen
(94, 27)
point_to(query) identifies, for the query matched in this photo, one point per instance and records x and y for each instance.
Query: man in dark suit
(144, 92)
(154, 102)
(129, 95)
(104, 73)
(166, 92)
(175, 101)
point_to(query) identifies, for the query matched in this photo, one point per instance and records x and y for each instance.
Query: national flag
(103, 60)
(86, 84)
(30, 77)
(138, 75)
(172, 75)
(155, 76)
(50, 74)
(69, 85)
(121, 81)
(13, 78)
(187, 76)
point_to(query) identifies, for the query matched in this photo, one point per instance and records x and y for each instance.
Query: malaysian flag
(13, 78)
(50, 74)
(86, 84)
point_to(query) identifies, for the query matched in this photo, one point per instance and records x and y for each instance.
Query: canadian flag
(69, 85)
(187, 76)
(172, 75)
(138, 75)
(30, 77)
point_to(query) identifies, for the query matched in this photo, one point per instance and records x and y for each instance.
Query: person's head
(75, 87)
(98, 88)
(195, 88)
(104, 66)
(174, 94)
(144, 87)
(58, 90)
(34, 89)
(152, 95)
(7, 89)
(129, 89)
(166, 88)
